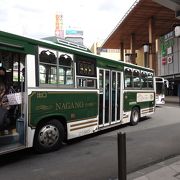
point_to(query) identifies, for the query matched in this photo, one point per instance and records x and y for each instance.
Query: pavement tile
(165, 173)
(175, 166)
(142, 178)
(178, 177)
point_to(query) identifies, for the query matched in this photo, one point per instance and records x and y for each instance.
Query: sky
(36, 18)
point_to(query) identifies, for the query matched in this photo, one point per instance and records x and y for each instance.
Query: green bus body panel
(26, 45)
(14, 44)
(73, 106)
(111, 65)
(130, 100)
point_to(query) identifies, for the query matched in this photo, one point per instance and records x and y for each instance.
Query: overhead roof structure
(135, 21)
(171, 4)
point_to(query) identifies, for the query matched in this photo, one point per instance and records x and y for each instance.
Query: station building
(96, 48)
(150, 33)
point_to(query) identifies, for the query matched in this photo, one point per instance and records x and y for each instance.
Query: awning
(136, 22)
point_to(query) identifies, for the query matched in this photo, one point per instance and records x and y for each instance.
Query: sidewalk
(166, 170)
(172, 99)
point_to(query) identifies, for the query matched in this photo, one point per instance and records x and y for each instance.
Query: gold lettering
(58, 106)
(68, 106)
(41, 95)
(63, 106)
(72, 105)
(76, 104)
(89, 104)
(79, 105)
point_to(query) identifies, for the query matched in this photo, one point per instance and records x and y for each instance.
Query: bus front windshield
(160, 88)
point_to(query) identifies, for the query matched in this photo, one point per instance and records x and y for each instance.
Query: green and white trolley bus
(57, 91)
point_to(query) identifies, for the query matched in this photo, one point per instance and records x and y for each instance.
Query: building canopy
(135, 22)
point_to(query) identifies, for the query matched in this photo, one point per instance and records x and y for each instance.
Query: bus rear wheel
(135, 115)
(49, 136)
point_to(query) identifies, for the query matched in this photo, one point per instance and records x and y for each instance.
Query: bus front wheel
(135, 115)
(49, 136)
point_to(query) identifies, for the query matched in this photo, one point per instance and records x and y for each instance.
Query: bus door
(115, 96)
(110, 109)
(12, 126)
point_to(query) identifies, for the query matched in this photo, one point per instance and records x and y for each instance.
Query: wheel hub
(48, 135)
(135, 115)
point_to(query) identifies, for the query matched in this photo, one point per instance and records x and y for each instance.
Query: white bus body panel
(81, 128)
(31, 83)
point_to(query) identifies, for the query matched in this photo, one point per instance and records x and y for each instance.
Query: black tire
(49, 136)
(135, 115)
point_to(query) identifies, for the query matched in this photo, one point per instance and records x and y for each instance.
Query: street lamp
(177, 31)
(146, 48)
(128, 57)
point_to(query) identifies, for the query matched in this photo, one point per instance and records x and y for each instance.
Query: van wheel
(135, 115)
(49, 136)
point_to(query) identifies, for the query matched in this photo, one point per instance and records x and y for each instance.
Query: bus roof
(17, 41)
(65, 42)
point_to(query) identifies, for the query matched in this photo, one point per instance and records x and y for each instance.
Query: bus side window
(144, 79)
(65, 70)
(150, 80)
(47, 68)
(136, 79)
(55, 72)
(86, 83)
(128, 78)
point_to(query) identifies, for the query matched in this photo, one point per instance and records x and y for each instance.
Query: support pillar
(132, 44)
(122, 51)
(152, 54)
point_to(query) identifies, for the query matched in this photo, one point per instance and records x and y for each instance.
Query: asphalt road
(95, 157)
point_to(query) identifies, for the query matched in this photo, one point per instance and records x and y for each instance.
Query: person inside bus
(23, 83)
(2, 82)
(4, 107)
(3, 88)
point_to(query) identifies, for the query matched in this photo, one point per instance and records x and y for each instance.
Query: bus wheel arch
(50, 134)
(135, 115)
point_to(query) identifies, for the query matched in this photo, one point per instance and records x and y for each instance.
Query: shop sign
(169, 59)
(164, 60)
(166, 43)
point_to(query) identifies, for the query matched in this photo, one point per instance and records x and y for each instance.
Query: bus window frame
(152, 75)
(136, 87)
(131, 79)
(86, 78)
(57, 53)
(145, 72)
(91, 62)
(140, 76)
(72, 67)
